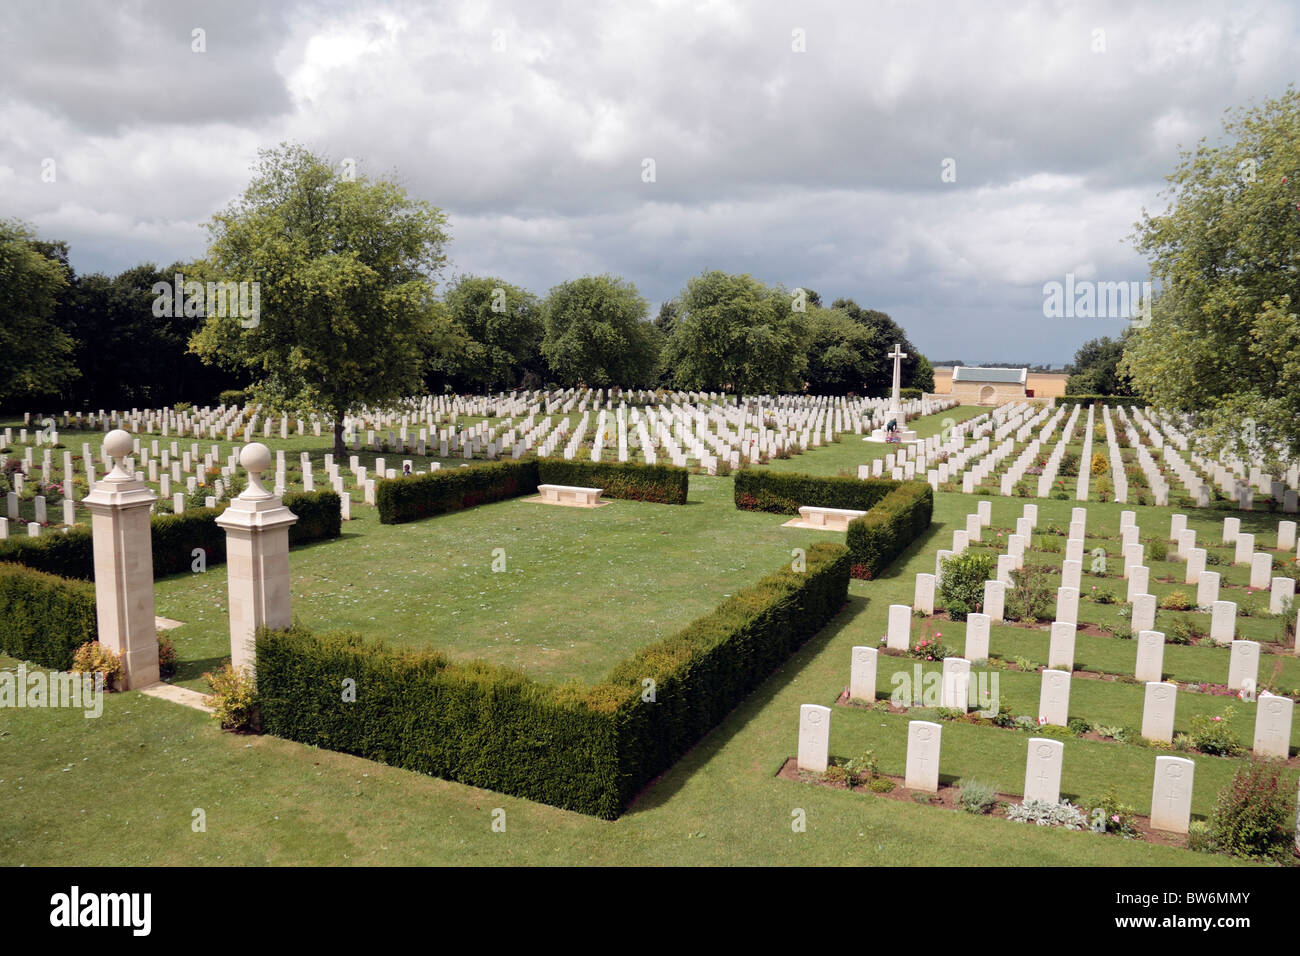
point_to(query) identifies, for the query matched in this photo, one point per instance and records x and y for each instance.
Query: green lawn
(123, 789)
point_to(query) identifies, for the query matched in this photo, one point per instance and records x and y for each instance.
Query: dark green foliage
(451, 489)
(962, 585)
(44, 618)
(1112, 400)
(1254, 815)
(784, 492)
(886, 530)
(67, 555)
(665, 484)
(232, 396)
(320, 516)
(585, 748)
(906, 393)
(72, 555)
(175, 538)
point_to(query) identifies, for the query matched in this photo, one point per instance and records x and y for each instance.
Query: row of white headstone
(1171, 795)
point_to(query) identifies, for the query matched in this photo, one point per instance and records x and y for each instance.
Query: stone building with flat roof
(989, 386)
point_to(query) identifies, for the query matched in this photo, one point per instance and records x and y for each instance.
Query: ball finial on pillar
(118, 444)
(256, 459)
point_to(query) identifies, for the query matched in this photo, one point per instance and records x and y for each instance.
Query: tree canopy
(346, 269)
(1223, 340)
(597, 334)
(1095, 369)
(35, 354)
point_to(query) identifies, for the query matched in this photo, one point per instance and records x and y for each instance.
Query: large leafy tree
(842, 354)
(1095, 369)
(888, 333)
(597, 334)
(733, 333)
(498, 328)
(1223, 341)
(346, 267)
(35, 354)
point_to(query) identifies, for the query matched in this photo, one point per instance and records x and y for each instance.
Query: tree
(922, 375)
(346, 269)
(35, 354)
(597, 334)
(888, 334)
(736, 334)
(1223, 341)
(1095, 370)
(842, 353)
(498, 328)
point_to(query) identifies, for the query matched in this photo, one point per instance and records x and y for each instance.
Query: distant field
(1042, 384)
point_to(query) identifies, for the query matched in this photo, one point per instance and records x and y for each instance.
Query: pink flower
(938, 633)
(1217, 719)
(928, 657)
(1115, 817)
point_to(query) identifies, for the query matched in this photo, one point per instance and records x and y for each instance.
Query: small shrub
(962, 587)
(1184, 631)
(1177, 601)
(1104, 596)
(862, 765)
(1099, 464)
(1025, 664)
(1032, 595)
(1109, 815)
(976, 796)
(880, 785)
(94, 658)
(1254, 815)
(1078, 726)
(1025, 722)
(836, 774)
(919, 797)
(1211, 734)
(233, 698)
(1157, 549)
(1044, 814)
(167, 662)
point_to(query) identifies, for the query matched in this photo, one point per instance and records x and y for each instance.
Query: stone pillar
(119, 510)
(257, 559)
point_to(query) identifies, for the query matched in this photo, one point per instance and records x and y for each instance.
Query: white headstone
(974, 528)
(1273, 716)
(995, 598)
(1139, 576)
(1223, 622)
(1171, 796)
(923, 595)
(1243, 665)
(1261, 570)
(1177, 525)
(1207, 588)
(1286, 535)
(1060, 652)
(1231, 528)
(1195, 565)
(977, 637)
(1245, 549)
(1031, 512)
(1043, 769)
(923, 756)
(1144, 613)
(1006, 564)
(954, 691)
(942, 555)
(1158, 711)
(1281, 591)
(1054, 698)
(1150, 656)
(814, 737)
(1067, 605)
(1072, 574)
(862, 674)
(899, 635)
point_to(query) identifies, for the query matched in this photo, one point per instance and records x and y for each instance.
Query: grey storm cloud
(802, 143)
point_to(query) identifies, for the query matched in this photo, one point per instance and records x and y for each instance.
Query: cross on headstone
(897, 355)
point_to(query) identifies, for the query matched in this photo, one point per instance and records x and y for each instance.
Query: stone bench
(832, 519)
(568, 494)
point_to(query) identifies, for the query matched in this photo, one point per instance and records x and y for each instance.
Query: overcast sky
(530, 124)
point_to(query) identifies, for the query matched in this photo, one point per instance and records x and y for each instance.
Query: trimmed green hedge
(1128, 401)
(665, 484)
(783, 492)
(44, 618)
(320, 516)
(584, 748)
(72, 555)
(451, 489)
(893, 523)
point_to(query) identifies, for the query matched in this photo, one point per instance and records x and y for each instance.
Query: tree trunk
(340, 450)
